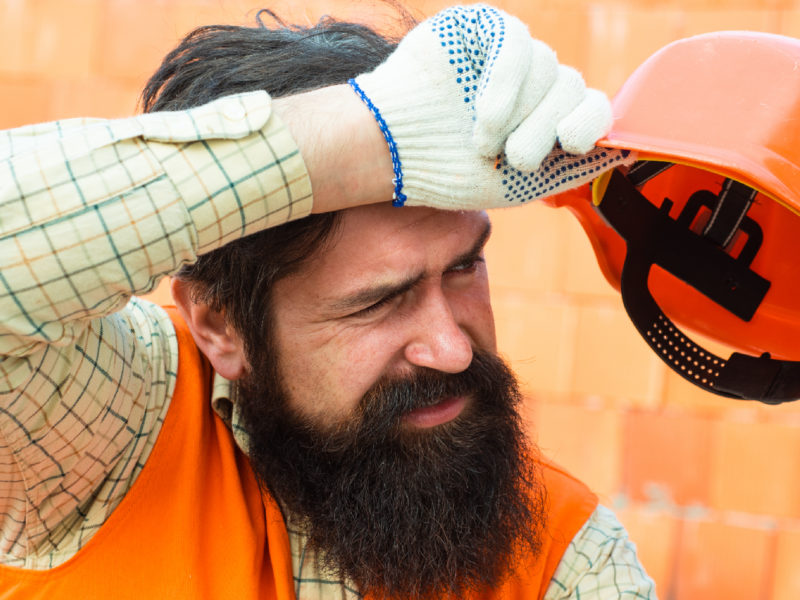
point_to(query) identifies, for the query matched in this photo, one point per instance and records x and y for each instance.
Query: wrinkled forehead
(378, 241)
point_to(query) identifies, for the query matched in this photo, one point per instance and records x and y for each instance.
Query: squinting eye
(374, 307)
(468, 266)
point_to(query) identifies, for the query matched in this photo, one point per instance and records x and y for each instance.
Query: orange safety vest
(195, 525)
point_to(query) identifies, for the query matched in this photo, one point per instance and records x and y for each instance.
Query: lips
(436, 414)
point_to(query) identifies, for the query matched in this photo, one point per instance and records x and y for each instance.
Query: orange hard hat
(702, 231)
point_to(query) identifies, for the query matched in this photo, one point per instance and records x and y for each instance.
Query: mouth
(442, 412)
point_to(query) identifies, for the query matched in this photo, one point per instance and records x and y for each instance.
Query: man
(364, 438)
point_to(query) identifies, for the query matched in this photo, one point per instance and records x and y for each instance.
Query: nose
(438, 341)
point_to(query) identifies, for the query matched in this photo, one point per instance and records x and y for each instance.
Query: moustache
(380, 411)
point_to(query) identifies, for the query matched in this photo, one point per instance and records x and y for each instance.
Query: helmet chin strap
(654, 238)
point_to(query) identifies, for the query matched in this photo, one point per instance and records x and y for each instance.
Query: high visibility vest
(195, 524)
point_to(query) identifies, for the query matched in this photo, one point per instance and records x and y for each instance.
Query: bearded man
(325, 415)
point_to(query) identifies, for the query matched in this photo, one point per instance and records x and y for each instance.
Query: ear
(216, 339)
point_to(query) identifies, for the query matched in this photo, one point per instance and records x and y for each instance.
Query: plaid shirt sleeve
(94, 212)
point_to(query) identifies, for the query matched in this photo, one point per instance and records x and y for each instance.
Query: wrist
(345, 153)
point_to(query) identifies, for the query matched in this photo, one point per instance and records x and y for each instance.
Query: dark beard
(401, 512)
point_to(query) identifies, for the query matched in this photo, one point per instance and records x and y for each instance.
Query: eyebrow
(371, 295)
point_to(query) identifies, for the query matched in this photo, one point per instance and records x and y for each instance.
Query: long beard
(403, 512)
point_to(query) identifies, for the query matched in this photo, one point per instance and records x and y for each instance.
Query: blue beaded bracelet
(398, 198)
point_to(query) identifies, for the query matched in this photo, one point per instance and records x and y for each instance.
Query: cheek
(365, 357)
(328, 374)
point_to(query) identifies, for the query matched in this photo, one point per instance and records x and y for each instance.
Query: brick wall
(709, 488)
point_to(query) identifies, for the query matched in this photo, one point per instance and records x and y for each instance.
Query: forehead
(378, 243)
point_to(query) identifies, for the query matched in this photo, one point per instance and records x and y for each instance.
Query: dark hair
(219, 60)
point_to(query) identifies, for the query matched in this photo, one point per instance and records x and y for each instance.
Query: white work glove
(472, 107)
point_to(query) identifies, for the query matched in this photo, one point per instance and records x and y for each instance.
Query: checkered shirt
(93, 213)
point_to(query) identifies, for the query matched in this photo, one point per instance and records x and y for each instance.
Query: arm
(349, 165)
(107, 210)
(97, 211)
(94, 212)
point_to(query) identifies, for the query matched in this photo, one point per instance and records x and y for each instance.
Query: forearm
(345, 152)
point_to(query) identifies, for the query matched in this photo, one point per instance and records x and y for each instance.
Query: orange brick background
(709, 488)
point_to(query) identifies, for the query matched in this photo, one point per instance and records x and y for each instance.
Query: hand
(474, 107)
